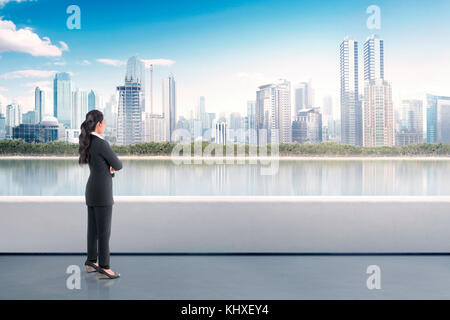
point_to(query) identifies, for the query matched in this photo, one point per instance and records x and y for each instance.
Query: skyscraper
(195, 126)
(235, 121)
(151, 89)
(130, 106)
(378, 111)
(307, 127)
(79, 108)
(438, 119)
(410, 123)
(110, 105)
(29, 117)
(62, 98)
(92, 101)
(327, 108)
(351, 118)
(202, 114)
(135, 70)
(252, 125)
(169, 104)
(39, 104)
(221, 132)
(304, 96)
(327, 117)
(13, 118)
(2, 126)
(373, 58)
(136, 74)
(236, 128)
(200, 109)
(378, 114)
(154, 128)
(273, 111)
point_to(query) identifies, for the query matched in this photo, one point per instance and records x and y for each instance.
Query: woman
(103, 162)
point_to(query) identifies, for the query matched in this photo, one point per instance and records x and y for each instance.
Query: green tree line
(20, 147)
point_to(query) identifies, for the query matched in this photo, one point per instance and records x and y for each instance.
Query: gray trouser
(98, 234)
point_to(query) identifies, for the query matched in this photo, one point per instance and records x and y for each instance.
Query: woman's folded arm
(110, 156)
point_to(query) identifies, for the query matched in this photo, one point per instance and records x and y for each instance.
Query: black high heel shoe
(90, 267)
(102, 274)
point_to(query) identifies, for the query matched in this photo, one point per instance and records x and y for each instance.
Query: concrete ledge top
(231, 158)
(128, 199)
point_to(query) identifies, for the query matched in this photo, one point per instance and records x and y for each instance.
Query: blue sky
(223, 49)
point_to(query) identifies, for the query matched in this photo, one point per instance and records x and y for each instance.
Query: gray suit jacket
(99, 191)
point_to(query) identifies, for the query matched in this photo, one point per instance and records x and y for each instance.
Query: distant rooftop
(49, 120)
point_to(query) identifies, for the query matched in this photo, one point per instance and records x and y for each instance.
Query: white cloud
(3, 89)
(26, 102)
(250, 75)
(28, 74)
(40, 84)
(112, 62)
(158, 62)
(26, 41)
(85, 63)
(3, 103)
(64, 46)
(45, 86)
(257, 78)
(147, 62)
(59, 63)
(3, 2)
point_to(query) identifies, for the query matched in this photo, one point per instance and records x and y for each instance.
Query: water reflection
(163, 177)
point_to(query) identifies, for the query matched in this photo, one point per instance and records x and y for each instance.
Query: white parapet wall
(232, 224)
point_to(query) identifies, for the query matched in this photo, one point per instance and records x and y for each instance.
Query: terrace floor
(229, 277)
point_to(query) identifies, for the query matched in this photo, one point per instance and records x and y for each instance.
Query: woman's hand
(111, 170)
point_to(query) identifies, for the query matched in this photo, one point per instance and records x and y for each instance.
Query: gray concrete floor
(229, 277)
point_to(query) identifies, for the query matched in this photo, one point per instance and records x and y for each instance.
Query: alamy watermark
(374, 20)
(374, 280)
(73, 281)
(74, 20)
(241, 146)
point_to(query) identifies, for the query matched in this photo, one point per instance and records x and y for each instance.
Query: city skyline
(206, 65)
(368, 117)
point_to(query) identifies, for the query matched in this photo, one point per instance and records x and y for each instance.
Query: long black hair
(92, 118)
